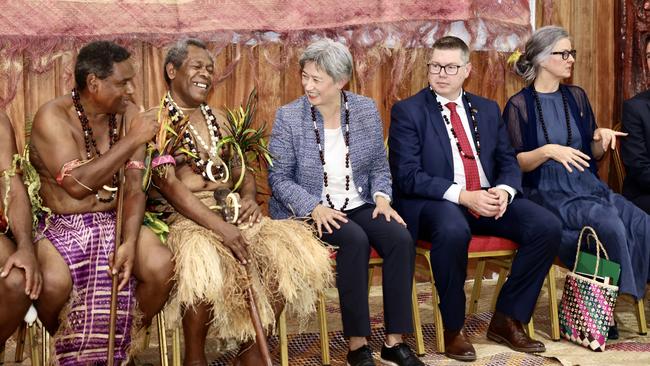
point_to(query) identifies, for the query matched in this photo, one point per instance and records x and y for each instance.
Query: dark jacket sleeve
(634, 151)
(406, 160)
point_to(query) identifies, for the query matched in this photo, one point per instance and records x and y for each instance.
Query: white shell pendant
(208, 171)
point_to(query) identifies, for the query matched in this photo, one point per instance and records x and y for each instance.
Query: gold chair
(500, 252)
(375, 262)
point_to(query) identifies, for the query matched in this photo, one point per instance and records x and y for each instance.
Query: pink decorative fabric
(163, 159)
(40, 31)
(135, 164)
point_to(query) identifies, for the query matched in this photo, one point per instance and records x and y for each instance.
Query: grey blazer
(296, 177)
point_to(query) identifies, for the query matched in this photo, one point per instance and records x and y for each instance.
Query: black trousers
(449, 227)
(394, 244)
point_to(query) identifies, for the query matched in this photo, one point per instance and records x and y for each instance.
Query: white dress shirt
(453, 192)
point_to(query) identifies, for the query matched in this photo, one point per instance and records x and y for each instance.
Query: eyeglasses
(565, 54)
(449, 69)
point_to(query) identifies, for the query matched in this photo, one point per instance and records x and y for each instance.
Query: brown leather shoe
(458, 347)
(504, 329)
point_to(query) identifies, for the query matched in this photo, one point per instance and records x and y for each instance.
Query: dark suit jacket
(420, 152)
(635, 148)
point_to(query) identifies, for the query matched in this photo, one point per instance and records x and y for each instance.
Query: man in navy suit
(635, 149)
(455, 174)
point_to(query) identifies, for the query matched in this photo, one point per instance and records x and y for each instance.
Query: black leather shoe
(399, 355)
(361, 356)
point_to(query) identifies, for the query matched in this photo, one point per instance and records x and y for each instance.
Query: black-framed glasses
(565, 54)
(449, 69)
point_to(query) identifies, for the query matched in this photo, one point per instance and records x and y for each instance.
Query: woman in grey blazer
(330, 166)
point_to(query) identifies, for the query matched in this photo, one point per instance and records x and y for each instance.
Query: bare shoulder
(52, 119)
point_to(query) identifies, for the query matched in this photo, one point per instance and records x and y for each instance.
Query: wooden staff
(260, 335)
(225, 200)
(116, 278)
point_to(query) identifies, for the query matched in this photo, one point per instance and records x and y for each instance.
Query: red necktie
(472, 179)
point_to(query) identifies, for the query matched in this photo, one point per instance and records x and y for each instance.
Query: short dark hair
(452, 43)
(177, 53)
(98, 58)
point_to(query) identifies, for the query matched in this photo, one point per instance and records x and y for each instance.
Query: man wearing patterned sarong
(20, 277)
(288, 265)
(77, 150)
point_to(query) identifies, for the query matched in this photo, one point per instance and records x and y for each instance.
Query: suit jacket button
(360, 189)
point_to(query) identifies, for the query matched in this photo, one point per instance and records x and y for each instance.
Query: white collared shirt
(453, 192)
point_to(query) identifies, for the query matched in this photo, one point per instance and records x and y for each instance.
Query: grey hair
(177, 53)
(330, 56)
(538, 48)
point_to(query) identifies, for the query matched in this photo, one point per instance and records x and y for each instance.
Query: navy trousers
(394, 244)
(449, 227)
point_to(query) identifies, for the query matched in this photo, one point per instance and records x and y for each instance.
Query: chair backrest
(617, 170)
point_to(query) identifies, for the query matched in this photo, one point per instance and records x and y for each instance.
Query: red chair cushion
(481, 243)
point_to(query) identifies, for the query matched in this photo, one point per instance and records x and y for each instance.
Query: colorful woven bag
(587, 305)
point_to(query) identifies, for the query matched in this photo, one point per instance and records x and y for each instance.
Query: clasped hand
(490, 203)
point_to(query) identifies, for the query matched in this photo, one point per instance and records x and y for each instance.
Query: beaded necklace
(199, 166)
(90, 142)
(346, 138)
(476, 138)
(567, 116)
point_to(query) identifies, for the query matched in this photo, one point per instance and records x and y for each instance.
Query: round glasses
(449, 69)
(565, 54)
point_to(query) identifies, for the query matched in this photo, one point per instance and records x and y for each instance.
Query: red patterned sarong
(85, 242)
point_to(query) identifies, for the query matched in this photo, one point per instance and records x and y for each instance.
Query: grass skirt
(288, 264)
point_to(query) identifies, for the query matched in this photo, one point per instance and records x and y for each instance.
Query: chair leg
(437, 316)
(284, 342)
(176, 347)
(20, 343)
(371, 273)
(45, 345)
(640, 317)
(324, 336)
(503, 272)
(476, 290)
(147, 338)
(33, 345)
(552, 304)
(162, 339)
(530, 329)
(417, 325)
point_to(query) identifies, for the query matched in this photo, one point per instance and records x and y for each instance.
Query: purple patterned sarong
(85, 242)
